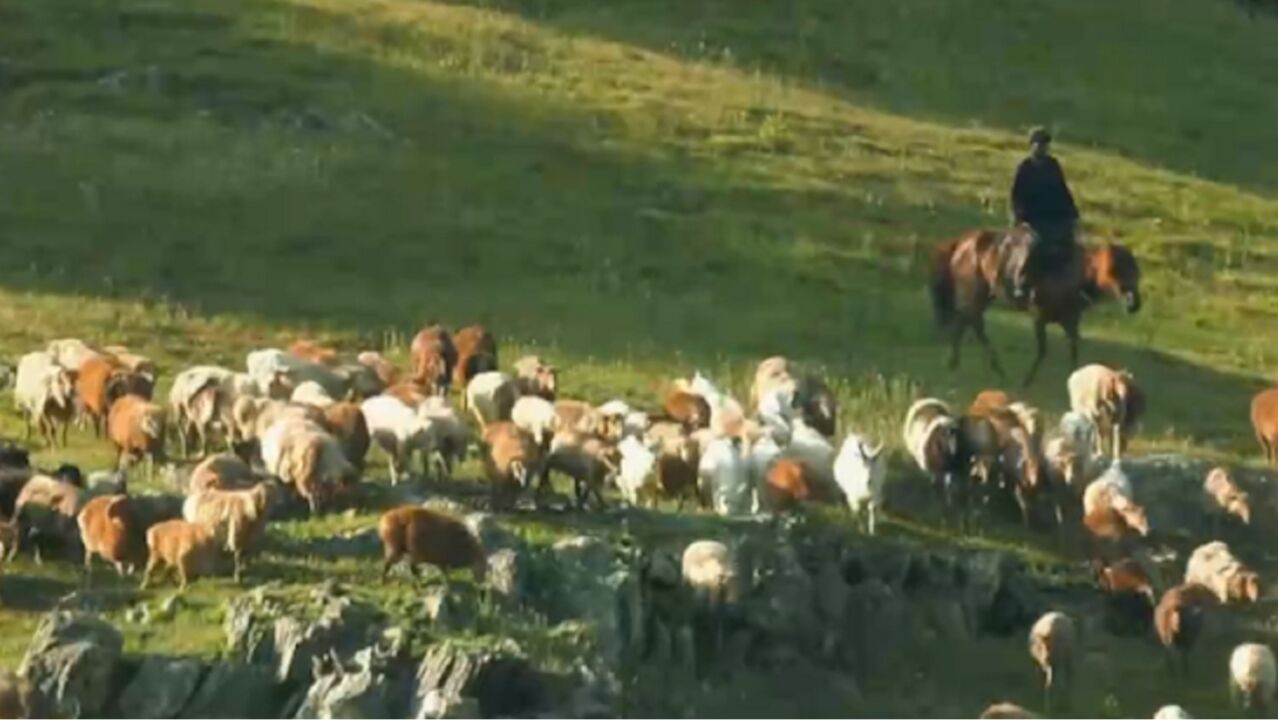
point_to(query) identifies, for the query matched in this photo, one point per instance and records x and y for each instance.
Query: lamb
(400, 432)
(314, 463)
(108, 529)
(313, 394)
(537, 417)
(1264, 421)
(1179, 620)
(860, 473)
(685, 407)
(511, 461)
(724, 472)
(1223, 497)
(1052, 644)
(932, 438)
(491, 397)
(46, 511)
(533, 376)
(1111, 399)
(236, 520)
(1214, 566)
(1253, 676)
(635, 474)
(588, 460)
(433, 356)
(426, 536)
(190, 548)
(476, 352)
(44, 392)
(136, 428)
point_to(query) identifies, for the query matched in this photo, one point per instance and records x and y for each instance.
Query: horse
(968, 273)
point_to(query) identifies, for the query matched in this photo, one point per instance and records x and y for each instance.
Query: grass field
(633, 188)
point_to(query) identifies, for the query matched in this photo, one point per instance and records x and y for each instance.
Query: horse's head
(1115, 272)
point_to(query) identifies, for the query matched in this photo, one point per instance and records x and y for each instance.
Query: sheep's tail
(941, 284)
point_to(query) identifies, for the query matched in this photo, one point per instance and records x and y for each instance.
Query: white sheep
(45, 393)
(71, 353)
(635, 424)
(451, 435)
(726, 473)
(266, 366)
(400, 431)
(710, 573)
(1172, 712)
(1214, 566)
(860, 473)
(635, 477)
(491, 397)
(312, 393)
(1252, 677)
(536, 416)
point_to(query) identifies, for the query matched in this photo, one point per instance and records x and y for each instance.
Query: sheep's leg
(1047, 690)
(1118, 439)
(151, 564)
(182, 574)
(1071, 335)
(88, 569)
(388, 561)
(65, 425)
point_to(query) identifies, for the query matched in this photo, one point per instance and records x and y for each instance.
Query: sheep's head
(1135, 517)
(1239, 505)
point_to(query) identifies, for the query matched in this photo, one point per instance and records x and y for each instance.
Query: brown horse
(968, 273)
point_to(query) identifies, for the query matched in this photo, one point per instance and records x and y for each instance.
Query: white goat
(635, 478)
(725, 471)
(400, 432)
(860, 473)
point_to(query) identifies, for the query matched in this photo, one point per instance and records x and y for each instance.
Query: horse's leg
(960, 328)
(1040, 343)
(978, 329)
(1071, 334)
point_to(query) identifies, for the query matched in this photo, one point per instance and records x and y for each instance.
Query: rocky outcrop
(498, 680)
(161, 687)
(236, 690)
(71, 664)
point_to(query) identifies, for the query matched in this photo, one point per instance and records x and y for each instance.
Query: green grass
(634, 189)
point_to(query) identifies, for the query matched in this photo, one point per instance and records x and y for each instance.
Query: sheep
(1110, 530)
(1017, 457)
(190, 548)
(1179, 620)
(197, 402)
(133, 362)
(1214, 566)
(384, 370)
(724, 474)
(587, 459)
(685, 407)
(578, 416)
(636, 477)
(511, 460)
(253, 417)
(932, 438)
(1111, 399)
(314, 464)
(1052, 644)
(787, 484)
(476, 352)
(400, 432)
(220, 472)
(1130, 595)
(537, 417)
(1007, 711)
(678, 462)
(711, 574)
(136, 428)
(1253, 676)
(988, 400)
(612, 417)
(433, 356)
(71, 353)
(98, 384)
(860, 473)
(811, 446)
(1264, 422)
(409, 393)
(311, 393)
(312, 351)
(108, 528)
(534, 376)
(817, 405)
(491, 397)
(345, 421)
(46, 510)
(1172, 712)
(235, 518)
(452, 436)
(45, 393)
(427, 536)
(763, 452)
(773, 373)
(1222, 497)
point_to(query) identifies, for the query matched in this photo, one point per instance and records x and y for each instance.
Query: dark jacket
(1039, 194)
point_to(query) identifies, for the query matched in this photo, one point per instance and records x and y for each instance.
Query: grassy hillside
(634, 188)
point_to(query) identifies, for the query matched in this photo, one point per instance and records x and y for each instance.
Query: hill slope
(634, 187)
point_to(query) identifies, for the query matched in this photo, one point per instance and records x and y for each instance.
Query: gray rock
(498, 679)
(70, 664)
(508, 576)
(446, 506)
(169, 607)
(360, 691)
(597, 586)
(449, 608)
(161, 687)
(492, 536)
(436, 705)
(236, 690)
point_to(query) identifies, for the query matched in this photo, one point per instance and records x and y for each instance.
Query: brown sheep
(786, 485)
(1264, 421)
(1110, 531)
(1052, 643)
(988, 400)
(476, 353)
(220, 472)
(534, 376)
(99, 383)
(1130, 595)
(434, 356)
(430, 537)
(346, 422)
(315, 465)
(236, 518)
(136, 428)
(577, 416)
(690, 409)
(678, 457)
(587, 459)
(1223, 498)
(511, 461)
(190, 548)
(313, 351)
(108, 529)
(133, 362)
(46, 510)
(1179, 620)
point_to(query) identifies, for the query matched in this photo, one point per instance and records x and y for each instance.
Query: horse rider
(1042, 200)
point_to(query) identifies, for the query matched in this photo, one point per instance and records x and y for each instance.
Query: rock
(499, 680)
(435, 705)
(597, 586)
(446, 506)
(70, 664)
(492, 536)
(139, 614)
(236, 690)
(449, 607)
(169, 607)
(507, 576)
(161, 687)
(360, 691)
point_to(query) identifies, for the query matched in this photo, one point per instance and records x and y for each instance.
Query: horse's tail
(941, 284)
